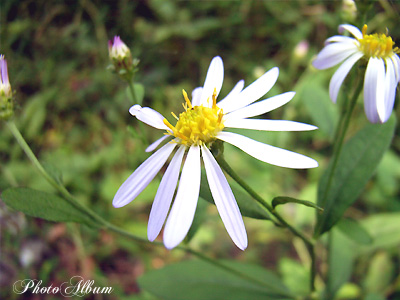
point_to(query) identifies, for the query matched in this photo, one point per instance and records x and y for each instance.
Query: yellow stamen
(197, 125)
(189, 104)
(376, 45)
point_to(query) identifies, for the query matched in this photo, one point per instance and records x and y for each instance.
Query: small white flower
(203, 121)
(383, 68)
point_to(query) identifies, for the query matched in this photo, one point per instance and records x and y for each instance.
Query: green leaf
(355, 231)
(199, 280)
(340, 261)
(283, 200)
(248, 206)
(381, 272)
(319, 105)
(359, 158)
(384, 229)
(295, 275)
(43, 205)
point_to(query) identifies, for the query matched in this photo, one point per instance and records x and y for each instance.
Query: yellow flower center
(376, 45)
(197, 125)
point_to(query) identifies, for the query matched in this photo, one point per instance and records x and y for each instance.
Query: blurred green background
(74, 114)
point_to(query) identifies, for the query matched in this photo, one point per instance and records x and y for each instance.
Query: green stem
(309, 243)
(132, 90)
(105, 224)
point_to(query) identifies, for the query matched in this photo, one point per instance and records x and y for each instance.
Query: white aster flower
(383, 68)
(204, 121)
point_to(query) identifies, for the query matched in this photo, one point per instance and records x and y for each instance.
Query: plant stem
(309, 243)
(132, 90)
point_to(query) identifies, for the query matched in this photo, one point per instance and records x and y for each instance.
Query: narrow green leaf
(358, 160)
(43, 205)
(355, 231)
(199, 280)
(248, 207)
(283, 200)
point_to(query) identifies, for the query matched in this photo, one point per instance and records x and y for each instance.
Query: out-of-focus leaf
(380, 273)
(248, 206)
(374, 296)
(283, 200)
(353, 230)
(384, 230)
(44, 205)
(318, 104)
(295, 276)
(358, 160)
(340, 262)
(199, 280)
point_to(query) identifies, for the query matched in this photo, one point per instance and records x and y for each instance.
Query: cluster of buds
(6, 94)
(121, 59)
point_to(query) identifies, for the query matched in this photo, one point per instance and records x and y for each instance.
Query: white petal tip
(134, 109)
(151, 237)
(117, 203)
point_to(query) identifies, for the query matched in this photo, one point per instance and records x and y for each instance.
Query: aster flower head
(203, 121)
(382, 74)
(6, 103)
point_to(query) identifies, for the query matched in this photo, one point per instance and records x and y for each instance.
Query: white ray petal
(334, 54)
(373, 87)
(340, 39)
(352, 29)
(269, 154)
(148, 116)
(268, 125)
(261, 107)
(196, 96)
(181, 216)
(165, 192)
(142, 176)
(385, 110)
(340, 75)
(156, 143)
(224, 200)
(396, 64)
(254, 91)
(232, 94)
(214, 79)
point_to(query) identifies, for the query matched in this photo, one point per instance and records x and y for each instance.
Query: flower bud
(301, 50)
(121, 58)
(6, 102)
(349, 10)
(118, 50)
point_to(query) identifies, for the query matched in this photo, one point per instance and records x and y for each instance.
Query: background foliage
(74, 114)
